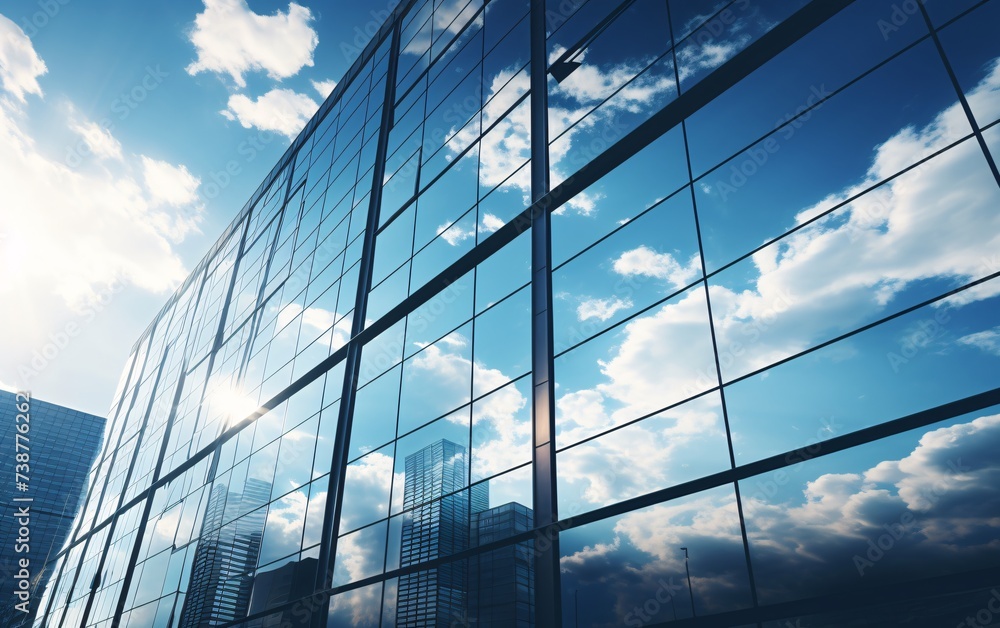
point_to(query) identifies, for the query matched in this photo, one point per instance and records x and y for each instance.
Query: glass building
(710, 287)
(60, 446)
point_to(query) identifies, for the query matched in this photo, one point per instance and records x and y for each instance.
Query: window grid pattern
(664, 221)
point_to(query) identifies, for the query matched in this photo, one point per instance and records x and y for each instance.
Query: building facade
(54, 454)
(710, 287)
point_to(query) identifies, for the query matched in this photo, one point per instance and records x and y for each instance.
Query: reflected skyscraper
(284, 584)
(438, 506)
(502, 581)
(223, 575)
(442, 516)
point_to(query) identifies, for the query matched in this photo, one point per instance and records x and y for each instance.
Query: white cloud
(169, 184)
(366, 490)
(280, 110)
(589, 553)
(442, 373)
(102, 144)
(988, 341)
(601, 309)
(508, 144)
(708, 56)
(73, 238)
(75, 233)
(335, 329)
(844, 269)
(20, 65)
(231, 39)
(847, 267)
(591, 83)
(283, 527)
(491, 223)
(450, 16)
(453, 233)
(645, 262)
(324, 88)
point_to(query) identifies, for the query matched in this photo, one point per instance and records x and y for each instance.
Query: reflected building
(285, 584)
(443, 516)
(679, 274)
(223, 574)
(502, 581)
(61, 445)
(438, 504)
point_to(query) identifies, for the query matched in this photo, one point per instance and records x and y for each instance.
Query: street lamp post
(690, 590)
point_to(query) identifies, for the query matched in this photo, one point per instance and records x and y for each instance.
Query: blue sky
(118, 102)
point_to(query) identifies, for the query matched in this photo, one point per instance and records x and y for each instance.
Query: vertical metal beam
(547, 606)
(352, 363)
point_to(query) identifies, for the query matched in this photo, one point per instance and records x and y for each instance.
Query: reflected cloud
(988, 341)
(283, 529)
(938, 502)
(442, 373)
(450, 17)
(508, 145)
(366, 490)
(645, 262)
(316, 320)
(830, 276)
(673, 446)
(601, 309)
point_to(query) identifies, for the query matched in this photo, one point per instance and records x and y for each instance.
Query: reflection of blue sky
(891, 248)
(885, 251)
(913, 238)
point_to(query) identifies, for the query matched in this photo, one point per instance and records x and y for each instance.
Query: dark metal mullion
(715, 341)
(390, 122)
(961, 94)
(545, 500)
(338, 468)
